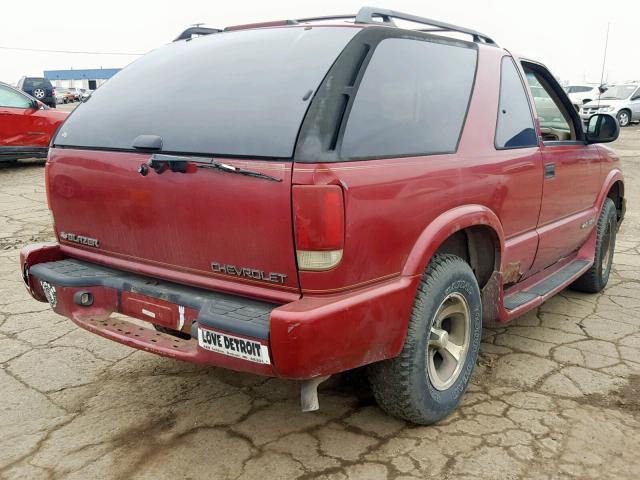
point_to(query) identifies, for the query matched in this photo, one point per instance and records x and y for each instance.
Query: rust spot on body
(511, 272)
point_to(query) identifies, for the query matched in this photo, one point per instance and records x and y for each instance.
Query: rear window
(37, 82)
(412, 100)
(235, 93)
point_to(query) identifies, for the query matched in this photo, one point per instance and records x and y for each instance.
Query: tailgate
(209, 224)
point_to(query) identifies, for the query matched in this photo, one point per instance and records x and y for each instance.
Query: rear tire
(425, 382)
(596, 278)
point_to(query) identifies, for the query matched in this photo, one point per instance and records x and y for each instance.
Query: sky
(566, 35)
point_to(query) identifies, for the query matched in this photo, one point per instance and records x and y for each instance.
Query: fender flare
(445, 225)
(613, 177)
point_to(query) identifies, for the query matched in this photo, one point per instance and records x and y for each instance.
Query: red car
(26, 125)
(333, 196)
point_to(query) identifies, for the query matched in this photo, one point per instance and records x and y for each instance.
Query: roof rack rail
(366, 15)
(381, 16)
(326, 17)
(369, 15)
(275, 23)
(190, 32)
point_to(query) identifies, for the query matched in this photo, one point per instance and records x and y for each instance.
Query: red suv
(26, 125)
(319, 197)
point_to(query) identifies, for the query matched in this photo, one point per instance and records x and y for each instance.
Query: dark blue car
(39, 88)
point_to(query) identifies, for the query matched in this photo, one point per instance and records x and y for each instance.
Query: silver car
(621, 101)
(580, 94)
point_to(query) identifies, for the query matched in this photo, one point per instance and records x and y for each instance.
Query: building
(88, 79)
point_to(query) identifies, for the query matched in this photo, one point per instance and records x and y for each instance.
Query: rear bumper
(304, 339)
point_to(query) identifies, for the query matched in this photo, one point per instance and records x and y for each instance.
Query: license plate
(250, 350)
(154, 310)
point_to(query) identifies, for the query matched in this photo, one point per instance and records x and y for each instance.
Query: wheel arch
(465, 231)
(629, 112)
(616, 193)
(613, 188)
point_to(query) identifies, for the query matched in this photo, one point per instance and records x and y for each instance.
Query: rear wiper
(224, 167)
(159, 162)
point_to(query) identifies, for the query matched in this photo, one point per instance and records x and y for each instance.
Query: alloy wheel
(605, 261)
(449, 340)
(623, 118)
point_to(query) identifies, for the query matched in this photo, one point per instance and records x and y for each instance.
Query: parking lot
(67, 107)
(555, 394)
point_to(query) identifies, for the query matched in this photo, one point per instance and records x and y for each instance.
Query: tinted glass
(234, 93)
(38, 82)
(515, 124)
(412, 100)
(12, 99)
(618, 92)
(550, 115)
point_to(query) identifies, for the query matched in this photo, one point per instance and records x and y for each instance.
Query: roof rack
(191, 32)
(366, 15)
(369, 15)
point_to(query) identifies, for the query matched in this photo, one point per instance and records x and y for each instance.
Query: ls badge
(588, 223)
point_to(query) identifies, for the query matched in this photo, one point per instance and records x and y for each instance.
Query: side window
(412, 100)
(9, 98)
(515, 127)
(555, 123)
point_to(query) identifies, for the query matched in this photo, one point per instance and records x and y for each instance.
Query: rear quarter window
(412, 100)
(515, 128)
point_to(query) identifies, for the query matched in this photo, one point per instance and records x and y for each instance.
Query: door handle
(549, 170)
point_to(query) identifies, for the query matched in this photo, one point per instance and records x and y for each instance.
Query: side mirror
(602, 128)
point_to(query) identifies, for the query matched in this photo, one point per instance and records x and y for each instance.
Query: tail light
(47, 182)
(318, 215)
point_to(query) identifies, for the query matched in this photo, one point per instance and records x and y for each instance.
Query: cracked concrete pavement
(554, 395)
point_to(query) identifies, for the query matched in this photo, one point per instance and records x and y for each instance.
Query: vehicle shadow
(22, 164)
